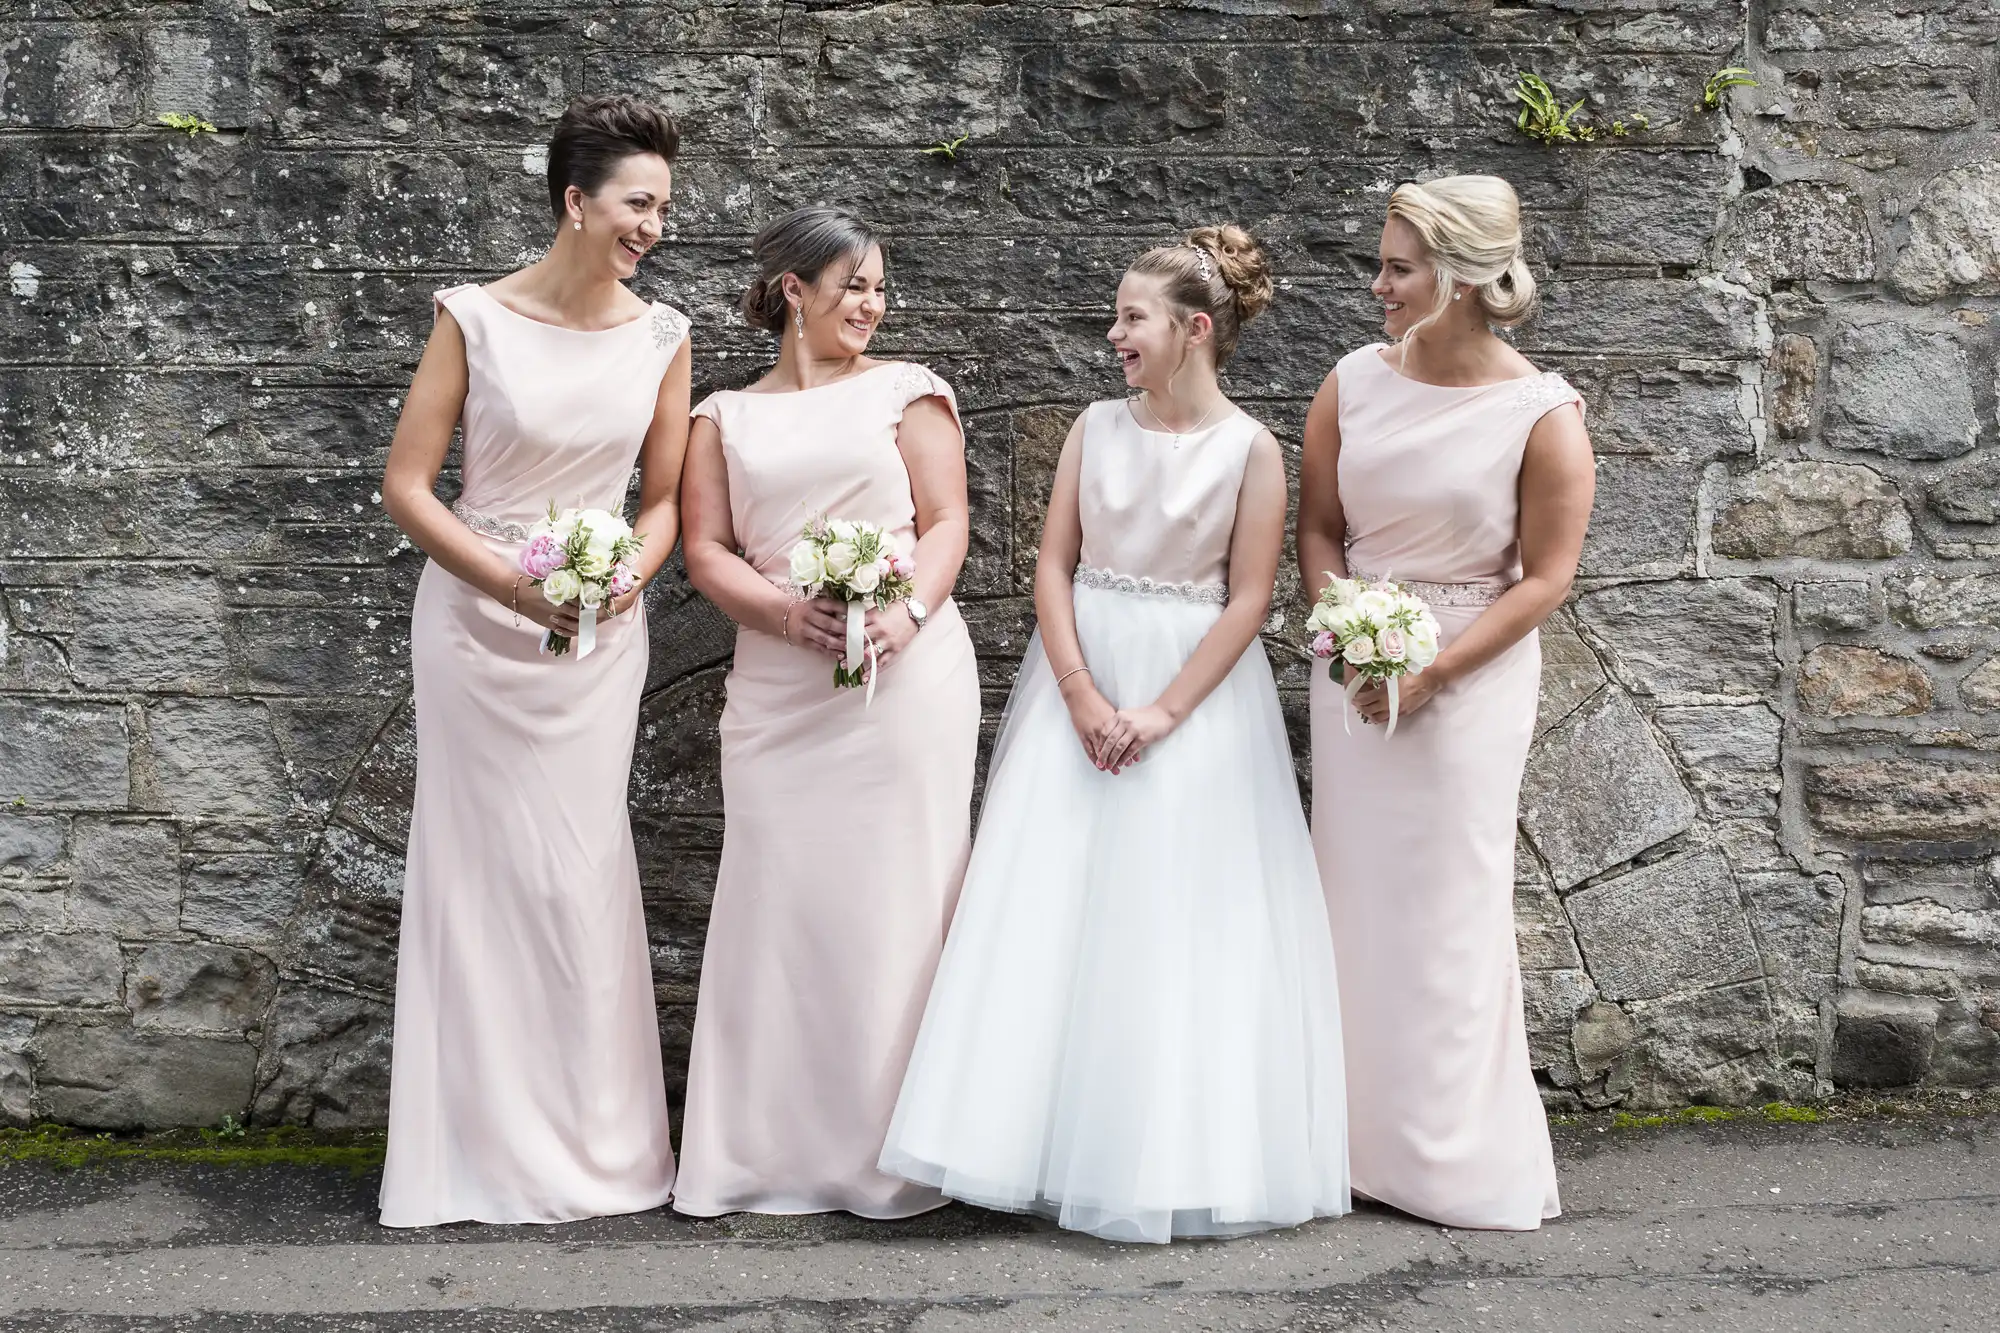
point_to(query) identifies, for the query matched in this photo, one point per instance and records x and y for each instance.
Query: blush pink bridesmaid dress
(525, 1082)
(1415, 832)
(845, 836)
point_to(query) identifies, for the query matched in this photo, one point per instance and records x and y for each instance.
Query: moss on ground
(1848, 1108)
(287, 1145)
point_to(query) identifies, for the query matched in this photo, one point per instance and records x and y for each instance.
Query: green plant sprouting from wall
(1720, 82)
(192, 126)
(1543, 115)
(948, 148)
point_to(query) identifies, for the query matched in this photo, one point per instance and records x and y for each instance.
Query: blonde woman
(1135, 1027)
(1448, 461)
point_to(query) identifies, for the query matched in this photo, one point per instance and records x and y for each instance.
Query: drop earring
(799, 318)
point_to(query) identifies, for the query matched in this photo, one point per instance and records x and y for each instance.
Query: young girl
(1135, 1024)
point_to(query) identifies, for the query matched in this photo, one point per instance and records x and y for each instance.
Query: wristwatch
(919, 613)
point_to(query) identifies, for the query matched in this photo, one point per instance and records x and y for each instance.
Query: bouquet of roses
(1378, 631)
(582, 556)
(859, 564)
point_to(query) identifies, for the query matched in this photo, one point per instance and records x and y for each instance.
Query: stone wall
(1760, 820)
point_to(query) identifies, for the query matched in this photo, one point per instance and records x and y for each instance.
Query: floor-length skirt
(1415, 836)
(846, 828)
(526, 1082)
(1136, 1027)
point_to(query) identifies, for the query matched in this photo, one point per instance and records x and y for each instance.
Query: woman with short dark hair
(846, 821)
(526, 1082)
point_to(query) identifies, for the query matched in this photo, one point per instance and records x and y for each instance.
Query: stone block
(1730, 754)
(149, 630)
(1707, 637)
(1794, 380)
(72, 75)
(1799, 231)
(1840, 604)
(326, 1060)
(1670, 926)
(1904, 800)
(1906, 95)
(1796, 919)
(1836, 680)
(74, 971)
(1602, 315)
(64, 755)
(1550, 1002)
(199, 988)
(338, 82)
(17, 1090)
(216, 757)
(1642, 521)
(1970, 492)
(507, 91)
(1901, 391)
(1980, 688)
(1954, 244)
(36, 905)
(1942, 601)
(1706, 1046)
(1689, 413)
(1827, 511)
(1571, 673)
(1602, 1034)
(112, 1077)
(853, 93)
(127, 878)
(1599, 790)
(1099, 93)
(1882, 1041)
(1541, 929)
(31, 844)
(242, 899)
(679, 753)
(1653, 207)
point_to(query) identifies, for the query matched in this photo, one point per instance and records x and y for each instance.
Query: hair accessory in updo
(1201, 261)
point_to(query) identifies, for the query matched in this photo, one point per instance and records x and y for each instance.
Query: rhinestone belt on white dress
(1209, 594)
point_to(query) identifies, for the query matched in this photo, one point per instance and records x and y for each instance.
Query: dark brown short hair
(597, 133)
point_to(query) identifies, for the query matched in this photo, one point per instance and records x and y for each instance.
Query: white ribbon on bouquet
(861, 648)
(586, 632)
(1353, 688)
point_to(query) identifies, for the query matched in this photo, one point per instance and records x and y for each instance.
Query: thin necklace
(1179, 435)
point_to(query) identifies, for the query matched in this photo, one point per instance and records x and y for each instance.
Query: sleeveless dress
(1136, 1026)
(1415, 832)
(525, 1082)
(845, 832)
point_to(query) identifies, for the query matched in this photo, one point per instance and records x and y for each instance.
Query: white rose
(808, 570)
(1342, 619)
(594, 563)
(1343, 590)
(1423, 645)
(840, 558)
(843, 531)
(1376, 605)
(1321, 618)
(561, 585)
(1360, 651)
(590, 596)
(865, 579)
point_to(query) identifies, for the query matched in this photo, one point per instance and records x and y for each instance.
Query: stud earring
(799, 318)
(578, 226)
(1458, 296)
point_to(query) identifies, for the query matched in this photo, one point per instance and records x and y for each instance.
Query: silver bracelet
(1067, 674)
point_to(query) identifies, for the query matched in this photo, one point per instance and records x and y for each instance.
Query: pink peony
(623, 580)
(1324, 644)
(542, 556)
(903, 566)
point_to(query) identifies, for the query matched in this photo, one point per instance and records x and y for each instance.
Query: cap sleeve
(709, 407)
(914, 381)
(1543, 394)
(445, 298)
(669, 328)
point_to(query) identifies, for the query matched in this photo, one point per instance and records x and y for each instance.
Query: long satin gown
(525, 1081)
(846, 830)
(1415, 832)
(1136, 1028)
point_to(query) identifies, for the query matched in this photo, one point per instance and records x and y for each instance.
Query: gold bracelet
(785, 620)
(517, 601)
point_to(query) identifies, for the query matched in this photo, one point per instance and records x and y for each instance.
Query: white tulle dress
(1135, 1026)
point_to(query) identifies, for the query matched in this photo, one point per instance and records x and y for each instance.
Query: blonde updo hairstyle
(1217, 271)
(1471, 226)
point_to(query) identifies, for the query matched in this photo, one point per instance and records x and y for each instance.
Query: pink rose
(1323, 644)
(623, 580)
(1394, 647)
(542, 556)
(902, 566)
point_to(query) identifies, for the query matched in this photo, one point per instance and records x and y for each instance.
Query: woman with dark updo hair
(526, 1082)
(846, 822)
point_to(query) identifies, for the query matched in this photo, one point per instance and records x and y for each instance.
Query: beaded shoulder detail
(670, 326)
(1542, 393)
(914, 382)
(1213, 594)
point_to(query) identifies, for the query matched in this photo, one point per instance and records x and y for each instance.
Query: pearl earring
(799, 318)
(1458, 296)
(578, 226)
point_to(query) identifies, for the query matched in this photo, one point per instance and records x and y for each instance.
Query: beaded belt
(1209, 594)
(487, 525)
(1481, 592)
